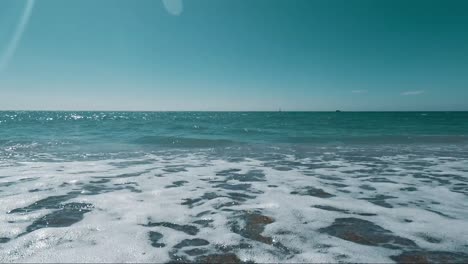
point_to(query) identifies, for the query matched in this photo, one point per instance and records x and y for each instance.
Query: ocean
(322, 187)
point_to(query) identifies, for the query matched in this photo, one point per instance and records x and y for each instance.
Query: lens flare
(18, 33)
(174, 7)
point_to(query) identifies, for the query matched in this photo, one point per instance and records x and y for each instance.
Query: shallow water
(232, 187)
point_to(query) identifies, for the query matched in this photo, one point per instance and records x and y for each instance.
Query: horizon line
(232, 111)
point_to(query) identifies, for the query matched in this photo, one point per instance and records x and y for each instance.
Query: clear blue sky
(234, 55)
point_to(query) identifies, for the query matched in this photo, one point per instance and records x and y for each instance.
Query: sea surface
(373, 187)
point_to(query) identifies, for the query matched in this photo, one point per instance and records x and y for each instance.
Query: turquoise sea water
(233, 186)
(27, 133)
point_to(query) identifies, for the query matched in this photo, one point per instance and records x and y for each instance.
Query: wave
(184, 142)
(192, 142)
(379, 139)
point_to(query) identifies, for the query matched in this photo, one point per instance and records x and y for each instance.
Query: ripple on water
(431, 257)
(366, 233)
(68, 215)
(154, 238)
(312, 191)
(188, 229)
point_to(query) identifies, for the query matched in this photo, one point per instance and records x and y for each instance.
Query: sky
(234, 55)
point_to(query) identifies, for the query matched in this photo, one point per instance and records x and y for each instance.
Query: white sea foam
(419, 200)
